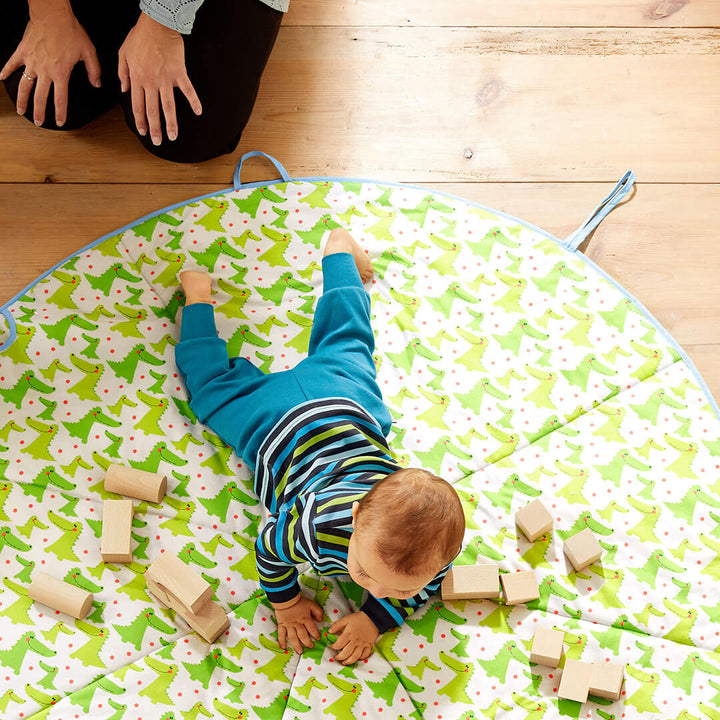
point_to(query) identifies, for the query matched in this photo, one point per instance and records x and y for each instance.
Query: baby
(315, 436)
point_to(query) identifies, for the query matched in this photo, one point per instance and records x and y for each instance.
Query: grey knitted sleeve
(180, 14)
(176, 14)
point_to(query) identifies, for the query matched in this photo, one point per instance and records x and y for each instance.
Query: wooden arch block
(179, 581)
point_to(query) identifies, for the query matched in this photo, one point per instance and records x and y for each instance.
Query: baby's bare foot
(197, 286)
(342, 241)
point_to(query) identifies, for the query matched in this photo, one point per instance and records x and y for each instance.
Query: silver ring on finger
(28, 77)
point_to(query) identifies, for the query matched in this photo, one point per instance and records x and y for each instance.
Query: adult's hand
(53, 43)
(151, 62)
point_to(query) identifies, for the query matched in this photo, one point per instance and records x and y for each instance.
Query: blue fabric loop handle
(237, 184)
(11, 326)
(574, 240)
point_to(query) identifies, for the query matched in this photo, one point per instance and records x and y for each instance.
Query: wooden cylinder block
(135, 483)
(60, 595)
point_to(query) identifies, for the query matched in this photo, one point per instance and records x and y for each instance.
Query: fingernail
(142, 131)
(38, 123)
(21, 111)
(172, 135)
(97, 84)
(156, 140)
(59, 123)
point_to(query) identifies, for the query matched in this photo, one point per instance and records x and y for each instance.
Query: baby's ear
(355, 507)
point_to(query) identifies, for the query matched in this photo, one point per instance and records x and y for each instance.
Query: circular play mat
(512, 366)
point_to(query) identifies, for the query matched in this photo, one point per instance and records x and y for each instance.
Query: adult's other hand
(151, 63)
(53, 43)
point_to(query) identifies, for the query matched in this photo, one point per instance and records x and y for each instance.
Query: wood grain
(411, 104)
(489, 13)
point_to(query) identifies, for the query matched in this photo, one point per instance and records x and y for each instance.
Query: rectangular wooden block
(60, 595)
(180, 581)
(210, 620)
(575, 680)
(582, 549)
(547, 647)
(115, 545)
(519, 587)
(607, 679)
(135, 483)
(471, 582)
(534, 520)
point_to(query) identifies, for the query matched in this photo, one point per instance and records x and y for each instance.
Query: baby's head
(405, 530)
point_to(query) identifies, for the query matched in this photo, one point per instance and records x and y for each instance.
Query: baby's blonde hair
(415, 520)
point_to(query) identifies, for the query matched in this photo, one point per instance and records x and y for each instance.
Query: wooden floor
(533, 108)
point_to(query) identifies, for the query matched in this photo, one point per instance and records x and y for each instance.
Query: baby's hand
(357, 635)
(297, 624)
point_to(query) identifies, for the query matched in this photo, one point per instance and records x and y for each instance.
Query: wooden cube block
(519, 587)
(607, 679)
(575, 680)
(135, 483)
(547, 647)
(582, 549)
(60, 595)
(115, 545)
(470, 582)
(210, 620)
(180, 581)
(534, 520)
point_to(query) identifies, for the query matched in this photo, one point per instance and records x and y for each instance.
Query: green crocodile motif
(510, 368)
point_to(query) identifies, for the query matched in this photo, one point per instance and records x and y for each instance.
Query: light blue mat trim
(286, 178)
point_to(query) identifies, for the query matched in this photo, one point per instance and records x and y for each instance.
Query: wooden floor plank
(661, 245)
(413, 104)
(46, 223)
(489, 13)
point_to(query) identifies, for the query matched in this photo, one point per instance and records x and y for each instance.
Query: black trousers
(225, 56)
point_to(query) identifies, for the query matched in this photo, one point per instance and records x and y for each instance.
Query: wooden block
(534, 520)
(582, 549)
(160, 594)
(180, 582)
(60, 595)
(135, 483)
(575, 680)
(115, 545)
(547, 647)
(607, 679)
(209, 622)
(519, 587)
(470, 582)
